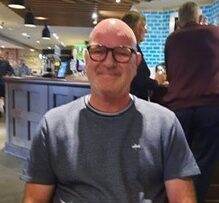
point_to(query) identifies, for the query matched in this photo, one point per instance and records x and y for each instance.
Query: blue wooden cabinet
(27, 100)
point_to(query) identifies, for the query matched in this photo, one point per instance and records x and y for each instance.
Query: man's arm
(37, 193)
(180, 191)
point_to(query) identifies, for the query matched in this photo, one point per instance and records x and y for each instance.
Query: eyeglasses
(120, 54)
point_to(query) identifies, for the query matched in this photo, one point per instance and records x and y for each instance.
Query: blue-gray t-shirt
(95, 157)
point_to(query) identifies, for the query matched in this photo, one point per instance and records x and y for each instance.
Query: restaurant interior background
(70, 22)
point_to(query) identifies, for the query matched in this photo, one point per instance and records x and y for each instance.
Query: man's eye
(97, 51)
(123, 52)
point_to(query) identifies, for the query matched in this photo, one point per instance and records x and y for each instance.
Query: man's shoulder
(206, 29)
(153, 110)
(67, 109)
(210, 27)
(197, 33)
(195, 29)
(211, 30)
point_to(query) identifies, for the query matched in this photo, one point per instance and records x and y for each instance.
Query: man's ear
(138, 58)
(86, 58)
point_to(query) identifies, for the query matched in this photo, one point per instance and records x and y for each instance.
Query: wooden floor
(11, 187)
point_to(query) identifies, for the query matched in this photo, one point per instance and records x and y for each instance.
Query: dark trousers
(201, 126)
(2, 89)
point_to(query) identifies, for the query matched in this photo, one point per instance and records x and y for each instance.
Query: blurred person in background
(22, 69)
(192, 64)
(204, 20)
(160, 75)
(5, 69)
(142, 85)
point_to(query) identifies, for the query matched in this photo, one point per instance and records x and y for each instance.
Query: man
(142, 85)
(103, 148)
(192, 60)
(22, 69)
(5, 69)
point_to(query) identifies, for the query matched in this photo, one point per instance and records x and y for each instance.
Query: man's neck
(189, 24)
(109, 104)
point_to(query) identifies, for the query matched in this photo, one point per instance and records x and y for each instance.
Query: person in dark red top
(192, 63)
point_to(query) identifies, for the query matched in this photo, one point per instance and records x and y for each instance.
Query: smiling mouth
(110, 74)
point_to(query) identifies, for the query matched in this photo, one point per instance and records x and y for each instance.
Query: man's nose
(109, 58)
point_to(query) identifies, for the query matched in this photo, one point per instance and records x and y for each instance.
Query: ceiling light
(62, 43)
(55, 35)
(40, 18)
(29, 19)
(2, 46)
(46, 33)
(40, 56)
(32, 50)
(17, 4)
(118, 1)
(94, 15)
(24, 34)
(38, 42)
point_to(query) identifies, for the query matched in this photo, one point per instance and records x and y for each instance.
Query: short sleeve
(37, 168)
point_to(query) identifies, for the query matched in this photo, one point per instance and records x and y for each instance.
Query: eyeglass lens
(120, 54)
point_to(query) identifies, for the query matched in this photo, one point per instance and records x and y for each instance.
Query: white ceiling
(14, 27)
(5, 44)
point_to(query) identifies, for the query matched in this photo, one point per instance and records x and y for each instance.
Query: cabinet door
(26, 105)
(59, 95)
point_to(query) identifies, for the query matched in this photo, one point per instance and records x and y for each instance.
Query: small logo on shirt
(136, 147)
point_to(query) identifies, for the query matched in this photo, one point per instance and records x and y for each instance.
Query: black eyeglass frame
(132, 51)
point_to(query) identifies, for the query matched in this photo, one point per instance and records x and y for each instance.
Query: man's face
(21, 62)
(109, 76)
(140, 30)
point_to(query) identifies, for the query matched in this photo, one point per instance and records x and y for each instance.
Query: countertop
(69, 80)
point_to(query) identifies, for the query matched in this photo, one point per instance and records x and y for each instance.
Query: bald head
(113, 29)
